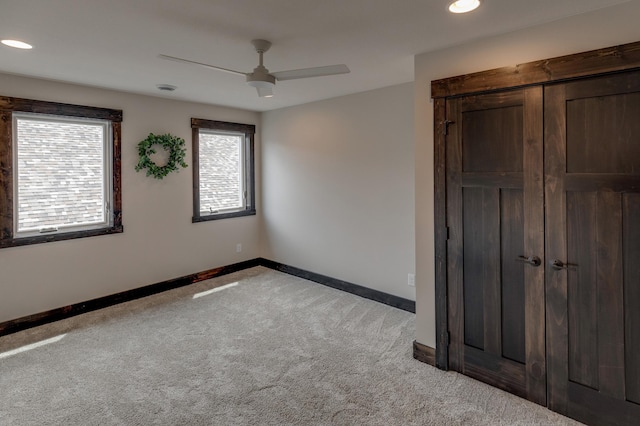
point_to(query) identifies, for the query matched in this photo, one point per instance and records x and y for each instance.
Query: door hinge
(447, 338)
(446, 124)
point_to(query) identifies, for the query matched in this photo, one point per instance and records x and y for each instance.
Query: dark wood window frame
(249, 131)
(586, 64)
(8, 105)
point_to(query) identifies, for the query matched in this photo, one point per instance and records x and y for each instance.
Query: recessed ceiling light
(464, 6)
(166, 87)
(17, 44)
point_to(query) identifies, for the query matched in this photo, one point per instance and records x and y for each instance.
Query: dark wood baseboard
(42, 318)
(367, 293)
(424, 353)
(14, 326)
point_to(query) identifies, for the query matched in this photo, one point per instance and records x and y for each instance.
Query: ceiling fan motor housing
(260, 73)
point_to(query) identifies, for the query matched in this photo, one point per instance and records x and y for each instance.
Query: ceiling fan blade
(173, 58)
(311, 72)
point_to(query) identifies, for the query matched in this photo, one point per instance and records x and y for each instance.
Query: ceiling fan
(262, 79)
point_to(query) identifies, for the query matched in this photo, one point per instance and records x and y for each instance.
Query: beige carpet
(270, 350)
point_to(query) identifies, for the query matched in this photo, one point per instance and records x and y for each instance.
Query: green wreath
(173, 144)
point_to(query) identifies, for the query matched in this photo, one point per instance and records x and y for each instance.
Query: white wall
(338, 188)
(594, 30)
(159, 241)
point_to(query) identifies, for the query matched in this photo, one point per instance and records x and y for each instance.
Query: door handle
(531, 260)
(559, 265)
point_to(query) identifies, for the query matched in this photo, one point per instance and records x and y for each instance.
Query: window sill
(217, 216)
(16, 242)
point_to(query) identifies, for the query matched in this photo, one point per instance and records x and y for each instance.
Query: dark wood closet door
(592, 183)
(495, 216)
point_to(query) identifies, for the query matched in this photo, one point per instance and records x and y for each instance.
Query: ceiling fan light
(264, 88)
(463, 6)
(263, 82)
(265, 92)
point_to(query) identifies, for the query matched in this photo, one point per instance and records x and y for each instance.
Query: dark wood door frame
(587, 64)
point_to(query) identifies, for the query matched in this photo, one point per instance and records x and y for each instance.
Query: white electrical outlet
(238, 248)
(411, 280)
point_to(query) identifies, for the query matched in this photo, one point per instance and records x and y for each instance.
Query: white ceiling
(115, 43)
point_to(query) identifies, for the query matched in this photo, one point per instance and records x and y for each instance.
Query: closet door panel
(592, 170)
(495, 216)
(631, 248)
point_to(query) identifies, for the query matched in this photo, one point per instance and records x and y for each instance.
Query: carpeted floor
(265, 349)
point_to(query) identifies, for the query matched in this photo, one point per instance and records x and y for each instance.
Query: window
(223, 174)
(61, 175)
